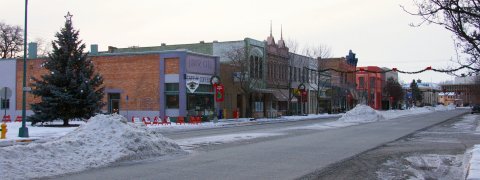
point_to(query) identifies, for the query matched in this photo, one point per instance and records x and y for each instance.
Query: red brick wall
(34, 69)
(136, 75)
(172, 66)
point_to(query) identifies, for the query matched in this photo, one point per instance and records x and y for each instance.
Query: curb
(16, 141)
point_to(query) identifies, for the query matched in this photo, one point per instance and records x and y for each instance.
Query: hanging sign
(219, 92)
(192, 84)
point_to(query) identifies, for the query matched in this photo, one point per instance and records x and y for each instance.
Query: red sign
(304, 95)
(219, 92)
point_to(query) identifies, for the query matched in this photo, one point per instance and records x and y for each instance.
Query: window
(258, 106)
(172, 101)
(252, 67)
(171, 87)
(372, 82)
(113, 103)
(294, 74)
(260, 68)
(5, 104)
(361, 82)
(171, 95)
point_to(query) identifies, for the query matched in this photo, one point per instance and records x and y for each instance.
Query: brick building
(343, 91)
(370, 85)
(278, 74)
(141, 84)
(258, 99)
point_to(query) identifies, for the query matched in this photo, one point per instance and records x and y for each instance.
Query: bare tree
(319, 52)
(44, 47)
(461, 17)
(11, 40)
(238, 62)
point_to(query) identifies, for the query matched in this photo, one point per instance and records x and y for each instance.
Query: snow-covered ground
(106, 139)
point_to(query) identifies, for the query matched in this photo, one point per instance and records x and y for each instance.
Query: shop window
(172, 101)
(200, 104)
(204, 88)
(258, 106)
(5, 104)
(171, 87)
(171, 95)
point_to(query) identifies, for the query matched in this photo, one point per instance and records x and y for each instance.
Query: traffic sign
(5, 93)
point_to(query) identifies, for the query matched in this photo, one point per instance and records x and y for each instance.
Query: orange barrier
(195, 120)
(180, 120)
(6, 119)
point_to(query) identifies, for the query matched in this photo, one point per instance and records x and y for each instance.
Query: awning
(267, 91)
(282, 95)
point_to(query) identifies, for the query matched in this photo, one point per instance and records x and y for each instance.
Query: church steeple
(270, 27)
(270, 39)
(281, 32)
(281, 42)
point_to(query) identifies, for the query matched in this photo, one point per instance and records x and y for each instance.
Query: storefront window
(172, 101)
(200, 104)
(258, 106)
(171, 95)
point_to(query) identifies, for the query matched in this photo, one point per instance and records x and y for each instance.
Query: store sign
(200, 64)
(202, 79)
(192, 84)
(219, 92)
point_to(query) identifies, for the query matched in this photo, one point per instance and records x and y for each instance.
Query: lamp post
(23, 131)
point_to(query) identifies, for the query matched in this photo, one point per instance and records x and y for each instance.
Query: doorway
(113, 103)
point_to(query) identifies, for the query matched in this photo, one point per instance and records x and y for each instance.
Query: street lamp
(23, 131)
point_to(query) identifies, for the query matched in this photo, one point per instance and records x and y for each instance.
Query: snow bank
(103, 140)
(474, 164)
(361, 114)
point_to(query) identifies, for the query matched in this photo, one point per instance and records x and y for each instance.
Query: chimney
(32, 50)
(94, 49)
(163, 44)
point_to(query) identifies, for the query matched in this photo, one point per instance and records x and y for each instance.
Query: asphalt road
(439, 152)
(288, 157)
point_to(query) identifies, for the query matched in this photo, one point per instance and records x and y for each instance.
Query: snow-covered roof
(447, 94)
(423, 86)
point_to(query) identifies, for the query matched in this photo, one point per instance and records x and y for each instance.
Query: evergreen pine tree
(71, 89)
(416, 93)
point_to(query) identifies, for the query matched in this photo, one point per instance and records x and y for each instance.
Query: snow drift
(361, 114)
(105, 139)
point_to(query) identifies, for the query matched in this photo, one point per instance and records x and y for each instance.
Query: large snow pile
(103, 140)
(360, 114)
(445, 108)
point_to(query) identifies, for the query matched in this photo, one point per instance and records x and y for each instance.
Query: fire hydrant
(4, 131)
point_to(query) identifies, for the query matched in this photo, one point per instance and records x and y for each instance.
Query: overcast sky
(377, 31)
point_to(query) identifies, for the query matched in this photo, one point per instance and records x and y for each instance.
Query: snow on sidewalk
(474, 164)
(105, 139)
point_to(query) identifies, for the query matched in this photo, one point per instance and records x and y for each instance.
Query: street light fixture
(23, 131)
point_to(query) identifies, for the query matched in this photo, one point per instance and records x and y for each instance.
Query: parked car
(476, 109)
